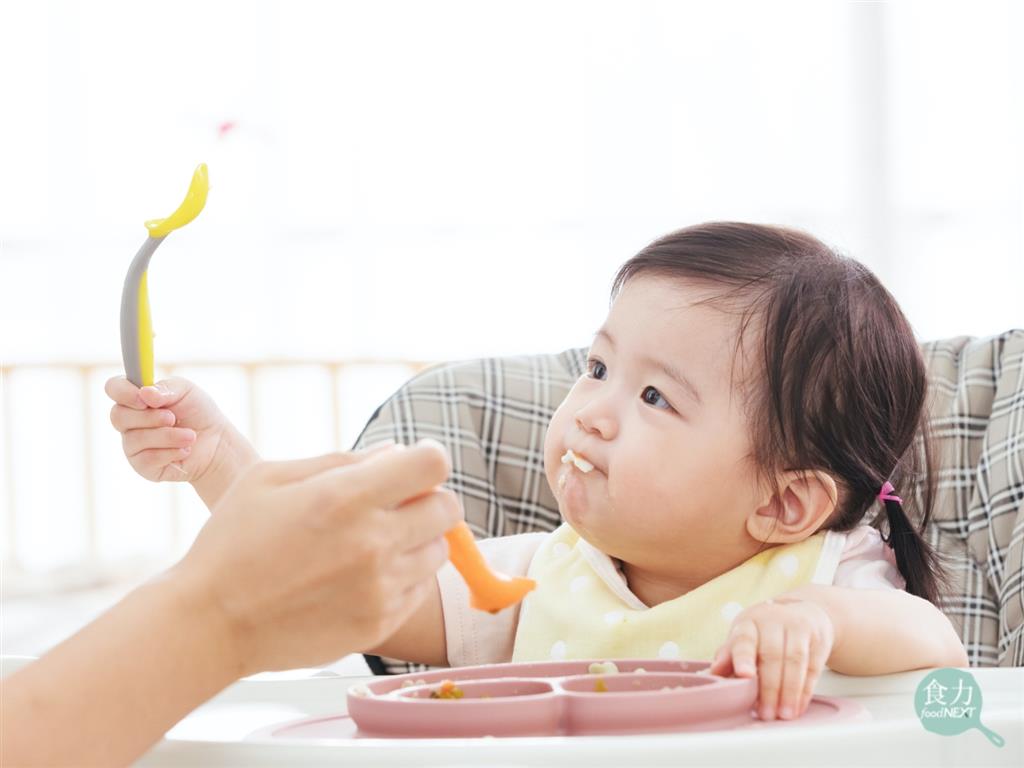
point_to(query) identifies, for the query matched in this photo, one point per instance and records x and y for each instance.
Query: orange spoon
(488, 591)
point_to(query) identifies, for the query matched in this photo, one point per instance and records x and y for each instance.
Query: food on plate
(448, 690)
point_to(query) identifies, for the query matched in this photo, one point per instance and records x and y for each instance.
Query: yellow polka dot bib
(579, 611)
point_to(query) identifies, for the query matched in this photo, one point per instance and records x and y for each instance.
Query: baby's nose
(596, 421)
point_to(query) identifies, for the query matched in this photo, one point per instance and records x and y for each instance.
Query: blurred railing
(76, 515)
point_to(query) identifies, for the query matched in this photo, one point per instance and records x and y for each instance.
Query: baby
(749, 398)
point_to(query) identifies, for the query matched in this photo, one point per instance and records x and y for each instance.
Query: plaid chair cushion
(977, 420)
(492, 415)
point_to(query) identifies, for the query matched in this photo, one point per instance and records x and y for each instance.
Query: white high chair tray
(233, 728)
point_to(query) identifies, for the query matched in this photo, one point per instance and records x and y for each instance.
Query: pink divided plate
(555, 698)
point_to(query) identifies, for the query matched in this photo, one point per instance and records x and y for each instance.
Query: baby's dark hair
(842, 382)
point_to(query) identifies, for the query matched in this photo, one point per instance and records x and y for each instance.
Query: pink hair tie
(886, 494)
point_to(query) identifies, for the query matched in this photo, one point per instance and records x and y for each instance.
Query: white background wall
(438, 180)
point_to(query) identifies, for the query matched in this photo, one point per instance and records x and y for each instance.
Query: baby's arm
(789, 640)
(421, 639)
(447, 631)
(878, 631)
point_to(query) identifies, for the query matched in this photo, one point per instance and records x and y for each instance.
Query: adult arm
(303, 562)
(106, 694)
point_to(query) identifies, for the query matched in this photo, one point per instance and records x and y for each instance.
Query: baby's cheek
(553, 446)
(632, 491)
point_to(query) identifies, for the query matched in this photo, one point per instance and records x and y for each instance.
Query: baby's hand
(174, 431)
(789, 640)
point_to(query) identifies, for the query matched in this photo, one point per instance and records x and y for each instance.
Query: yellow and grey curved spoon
(136, 326)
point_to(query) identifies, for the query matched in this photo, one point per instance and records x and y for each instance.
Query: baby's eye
(651, 396)
(596, 369)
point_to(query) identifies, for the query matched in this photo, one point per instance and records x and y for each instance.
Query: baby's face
(658, 416)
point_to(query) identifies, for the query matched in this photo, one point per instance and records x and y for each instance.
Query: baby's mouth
(581, 463)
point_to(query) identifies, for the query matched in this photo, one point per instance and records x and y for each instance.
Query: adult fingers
(425, 518)
(420, 564)
(124, 418)
(301, 469)
(387, 478)
(794, 671)
(380, 446)
(410, 600)
(123, 392)
(280, 472)
(771, 645)
(137, 440)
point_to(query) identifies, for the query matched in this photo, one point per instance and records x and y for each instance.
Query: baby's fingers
(794, 672)
(123, 392)
(742, 649)
(125, 418)
(167, 393)
(151, 464)
(818, 659)
(137, 440)
(769, 671)
(721, 664)
(738, 655)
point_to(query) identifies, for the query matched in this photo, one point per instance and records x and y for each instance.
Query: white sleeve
(867, 562)
(476, 637)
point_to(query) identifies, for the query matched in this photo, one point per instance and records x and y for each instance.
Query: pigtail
(919, 563)
(915, 557)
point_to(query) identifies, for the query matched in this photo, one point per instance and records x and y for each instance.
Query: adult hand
(307, 560)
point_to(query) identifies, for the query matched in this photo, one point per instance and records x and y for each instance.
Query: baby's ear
(804, 501)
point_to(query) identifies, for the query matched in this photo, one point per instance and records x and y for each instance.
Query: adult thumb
(301, 469)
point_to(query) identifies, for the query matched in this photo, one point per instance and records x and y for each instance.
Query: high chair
(492, 415)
